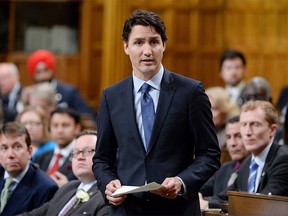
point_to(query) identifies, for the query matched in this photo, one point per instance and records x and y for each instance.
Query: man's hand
(59, 178)
(171, 189)
(110, 189)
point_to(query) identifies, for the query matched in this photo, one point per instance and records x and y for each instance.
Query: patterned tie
(70, 206)
(148, 113)
(252, 177)
(56, 164)
(5, 192)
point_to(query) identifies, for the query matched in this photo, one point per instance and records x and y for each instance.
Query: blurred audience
(37, 123)
(232, 72)
(258, 88)
(42, 68)
(94, 204)
(23, 186)
(64, 126)
(228, 172)
(268, 161)
(10, 90)
(222, 108)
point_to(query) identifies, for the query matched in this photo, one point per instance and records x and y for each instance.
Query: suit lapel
(128, 102)
(165, 99)
(269, 160)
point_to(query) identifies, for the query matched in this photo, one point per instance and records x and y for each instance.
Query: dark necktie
(252, 177)
(148, 113)
(56, 164)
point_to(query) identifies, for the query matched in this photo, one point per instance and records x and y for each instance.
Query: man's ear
(125, 45)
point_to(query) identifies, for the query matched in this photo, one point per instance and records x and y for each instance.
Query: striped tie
(252, 177)
(70, 206)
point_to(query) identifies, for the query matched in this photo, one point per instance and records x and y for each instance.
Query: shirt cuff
(183, 190)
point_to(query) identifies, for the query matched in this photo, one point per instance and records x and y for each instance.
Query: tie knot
(253, 165)
(145, 88)
(8, 182)
(59, 156)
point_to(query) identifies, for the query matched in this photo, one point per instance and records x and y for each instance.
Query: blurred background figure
(223, 108)
(64, 126)
(228, 172)
(36, 122)
(258, 88)
(10, 90)
(232, 72)
(42, 67)
(42, 95)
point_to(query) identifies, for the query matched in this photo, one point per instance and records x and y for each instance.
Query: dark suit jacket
(218, 182)
(273, 178)
(43, 160)
(94, 206)
(283, 98)
(69, 96)
(183, 143)
(32, 191)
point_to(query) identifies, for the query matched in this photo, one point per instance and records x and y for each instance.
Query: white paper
(135, 189)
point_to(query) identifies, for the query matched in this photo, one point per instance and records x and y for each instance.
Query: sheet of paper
(135, 189)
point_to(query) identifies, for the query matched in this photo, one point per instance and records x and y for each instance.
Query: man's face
(33, 123)
(42, 73)
(82, 164)
(63, 129)
(255, 130)
(234, 142)
(232, 71)
(7, 79)
(145, 49)
(252, 92)
(14, 153)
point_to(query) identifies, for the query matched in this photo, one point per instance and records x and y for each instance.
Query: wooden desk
(243, 203)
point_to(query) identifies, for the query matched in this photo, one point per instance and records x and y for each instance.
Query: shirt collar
(18, 178)
(66, 151)
(155, 81)
(261, 158)
(86, 187)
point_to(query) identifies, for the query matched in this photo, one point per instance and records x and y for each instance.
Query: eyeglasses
(85, 153)
(31, 123)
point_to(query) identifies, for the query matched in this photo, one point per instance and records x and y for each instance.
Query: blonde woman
(223, 108)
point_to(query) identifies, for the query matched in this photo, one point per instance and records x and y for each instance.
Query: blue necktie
(252, 177)
(148, 113)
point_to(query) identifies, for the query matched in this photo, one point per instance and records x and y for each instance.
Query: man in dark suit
(42, 67)
(10, 90)
(93, 204)
(258, 121)
(182, 152)
(228, 172)
(30, 187)
(64, 126)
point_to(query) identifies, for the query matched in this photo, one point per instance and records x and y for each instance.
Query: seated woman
(223, 108)
(36, 122)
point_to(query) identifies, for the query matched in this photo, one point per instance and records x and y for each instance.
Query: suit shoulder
(42, 178)
(44, 155)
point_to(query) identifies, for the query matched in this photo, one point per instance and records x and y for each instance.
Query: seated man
(228, 172)
(265, 171)
(23, 186)
(88, 198)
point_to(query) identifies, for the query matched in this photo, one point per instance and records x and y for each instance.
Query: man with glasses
(81, 196)
(23, 186)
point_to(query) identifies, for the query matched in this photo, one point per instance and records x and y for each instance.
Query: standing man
(232, 72)
(178, 149)
(92, 202)
(64, 126)
(23, 186)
